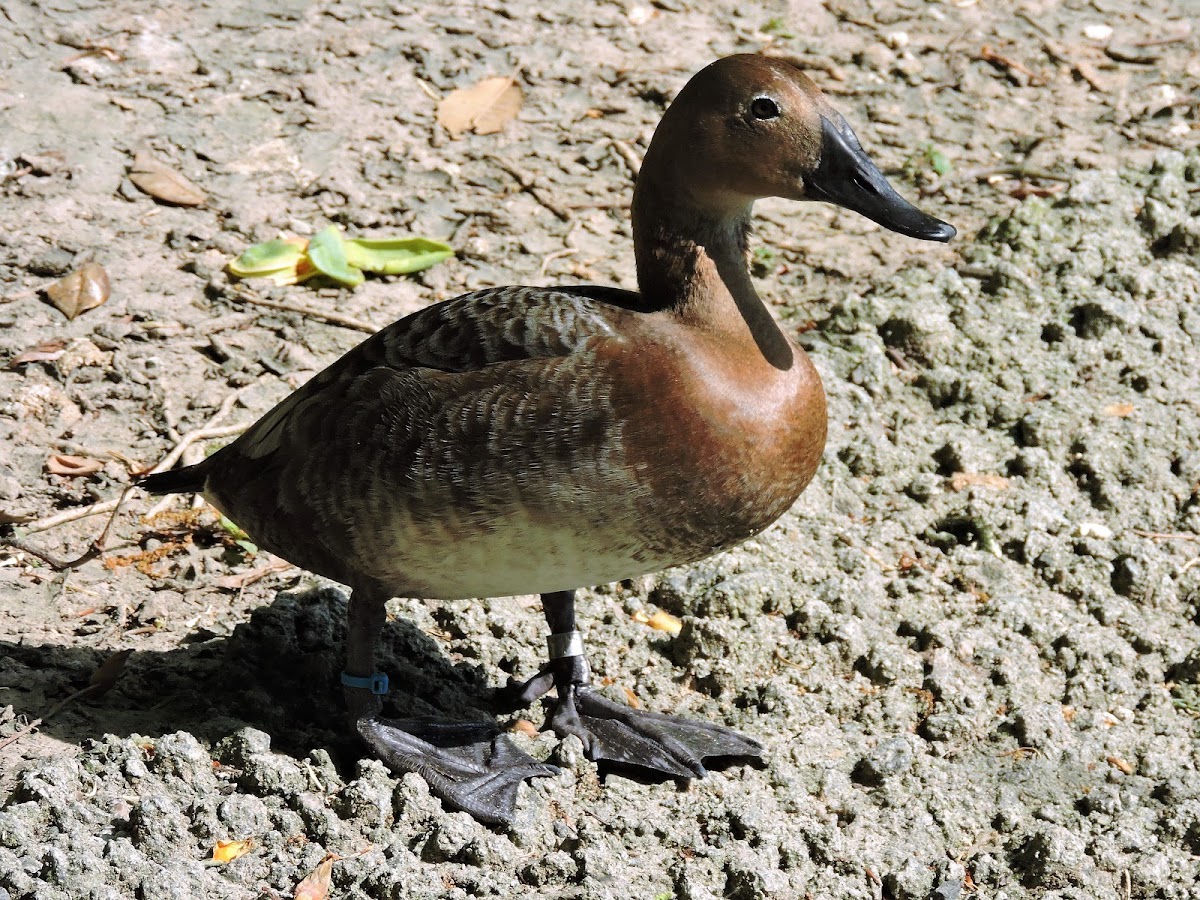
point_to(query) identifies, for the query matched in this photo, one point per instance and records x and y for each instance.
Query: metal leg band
(569, 643)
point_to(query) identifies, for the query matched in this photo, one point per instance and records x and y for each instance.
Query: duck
(541, 440)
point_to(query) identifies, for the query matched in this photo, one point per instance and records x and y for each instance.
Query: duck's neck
(691, 261)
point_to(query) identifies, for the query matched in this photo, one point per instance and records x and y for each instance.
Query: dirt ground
(972, 649)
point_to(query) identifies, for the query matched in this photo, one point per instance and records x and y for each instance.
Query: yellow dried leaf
(315, 885)
(631, 698)
(84, 289)
(228, 851)
(163, 183)
(484, 107)
(72, 466)
(525, 727)
(664, 621)
(960, 481)
(1121, 410)
(1121, 765)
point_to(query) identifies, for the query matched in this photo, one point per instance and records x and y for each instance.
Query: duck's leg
(469, 765)
(612, 732)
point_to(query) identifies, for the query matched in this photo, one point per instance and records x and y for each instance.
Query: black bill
(846, 176)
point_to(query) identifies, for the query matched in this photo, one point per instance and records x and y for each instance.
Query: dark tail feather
(189, 480)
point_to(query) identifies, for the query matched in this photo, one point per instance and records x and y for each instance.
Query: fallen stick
(332, 318)
(27, 730)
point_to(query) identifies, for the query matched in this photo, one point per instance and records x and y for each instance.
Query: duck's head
(751, 126)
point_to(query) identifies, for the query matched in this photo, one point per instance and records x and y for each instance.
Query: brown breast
(726, 440)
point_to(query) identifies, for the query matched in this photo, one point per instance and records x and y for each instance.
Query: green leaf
(233, 529)
(937, 159)
(282, 260)
(396, 256)
(240, 539)
(327, 252)
(778, 28)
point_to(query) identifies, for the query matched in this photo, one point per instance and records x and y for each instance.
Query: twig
(205, 432)
(93, 550)
(1166, 535)
(200, 434)
(628, 156)
(1084, 70)
(1018, 169)
(528, 184)
(332, 318)
(792, 663)
(1033, 23)
(1011, 66)
(1019, 752)
(13, 738)
(1168, 39)
(71, 698)
(867, 552)
(557, 254)
(71, 515)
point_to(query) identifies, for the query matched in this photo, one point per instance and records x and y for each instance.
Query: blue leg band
(377, 684)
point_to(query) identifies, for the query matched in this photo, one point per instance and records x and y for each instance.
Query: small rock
(912, 881)
(1055, 857)
(239, 747)
(1042, 726)
(890, 758)
(450, 835)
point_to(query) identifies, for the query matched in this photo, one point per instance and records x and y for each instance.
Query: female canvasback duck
(525, 440)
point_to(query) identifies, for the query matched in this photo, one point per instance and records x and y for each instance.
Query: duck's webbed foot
(617, 734)
(470, 766)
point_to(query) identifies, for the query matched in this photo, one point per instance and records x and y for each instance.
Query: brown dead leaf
(484, 107)
(315, 885)
(84, 289)
(631, 698)
(1120, 410)
(46, 351)
(960, 481)
(72, 466)
(109, 671)
(163, 183)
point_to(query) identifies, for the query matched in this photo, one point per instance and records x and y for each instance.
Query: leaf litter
(484, 108)
(85, 288)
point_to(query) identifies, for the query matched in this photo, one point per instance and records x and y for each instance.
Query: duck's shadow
(278, 672)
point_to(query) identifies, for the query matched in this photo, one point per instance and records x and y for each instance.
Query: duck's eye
(764, 108)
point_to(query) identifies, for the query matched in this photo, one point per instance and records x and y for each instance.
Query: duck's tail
(188, 480)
